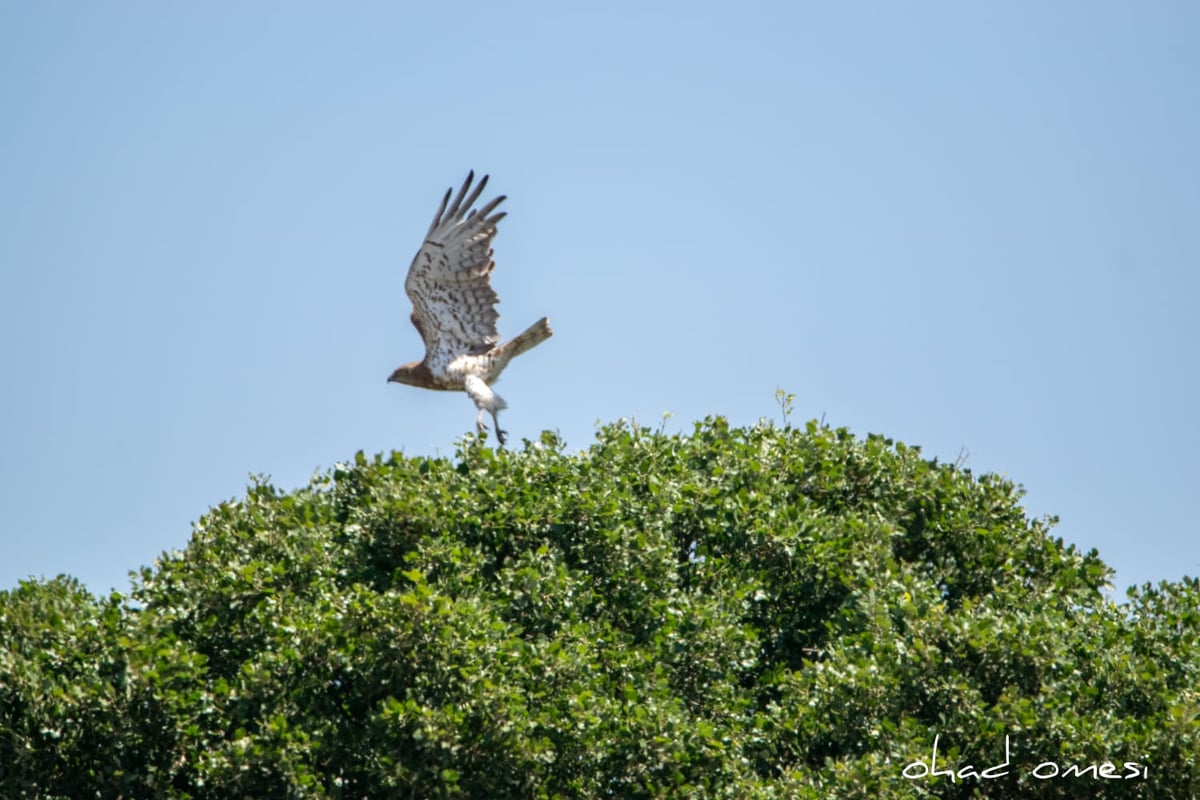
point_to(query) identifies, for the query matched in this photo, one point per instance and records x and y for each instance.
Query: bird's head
(415, 373)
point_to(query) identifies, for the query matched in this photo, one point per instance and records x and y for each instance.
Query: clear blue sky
(961, 225)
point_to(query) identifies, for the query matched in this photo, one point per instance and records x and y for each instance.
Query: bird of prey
(449, 284)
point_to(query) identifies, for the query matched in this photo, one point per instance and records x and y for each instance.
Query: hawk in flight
(450, 286)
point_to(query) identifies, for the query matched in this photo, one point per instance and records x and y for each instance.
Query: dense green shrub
(741, 613)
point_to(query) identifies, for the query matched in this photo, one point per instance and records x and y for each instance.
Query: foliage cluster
(762, 612)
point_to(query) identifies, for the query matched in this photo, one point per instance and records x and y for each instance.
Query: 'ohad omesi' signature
(1107, 770)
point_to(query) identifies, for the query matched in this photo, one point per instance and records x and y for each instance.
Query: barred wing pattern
(449, 281)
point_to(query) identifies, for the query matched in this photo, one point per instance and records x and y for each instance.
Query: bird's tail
(534, 335)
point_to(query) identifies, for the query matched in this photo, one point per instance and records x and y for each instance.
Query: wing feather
(449, 281)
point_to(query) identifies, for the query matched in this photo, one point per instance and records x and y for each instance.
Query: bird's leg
(485, 400)
(500, 435)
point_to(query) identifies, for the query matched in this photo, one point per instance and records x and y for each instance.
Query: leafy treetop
(757, 612)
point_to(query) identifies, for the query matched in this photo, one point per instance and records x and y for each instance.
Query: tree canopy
(739, 612)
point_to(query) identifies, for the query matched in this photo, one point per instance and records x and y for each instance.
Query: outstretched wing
(449, 281)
